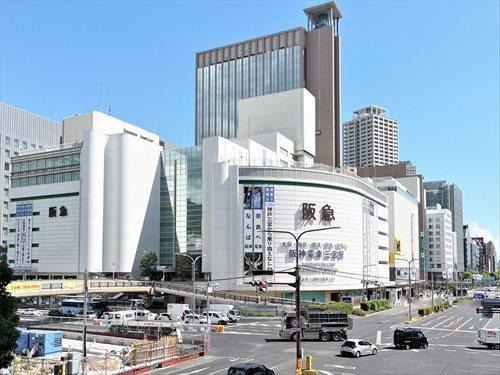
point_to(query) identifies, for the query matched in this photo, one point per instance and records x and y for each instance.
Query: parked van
(409, 338)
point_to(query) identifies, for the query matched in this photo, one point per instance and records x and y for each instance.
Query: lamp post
(113, 270)
(298, 352)
(409, 284)
(193, 275)
(365, 282)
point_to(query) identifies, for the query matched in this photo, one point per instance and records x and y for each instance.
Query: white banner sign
(24, 219)
(248, 229)
(257, 231)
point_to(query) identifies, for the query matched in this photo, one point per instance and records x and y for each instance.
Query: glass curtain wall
(180, 220)
(220, 86)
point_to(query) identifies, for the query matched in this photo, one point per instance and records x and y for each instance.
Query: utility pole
(298, 334)
(432, 291)
(85, 308)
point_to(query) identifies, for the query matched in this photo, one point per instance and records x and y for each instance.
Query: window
(7, 141)
(438, 226)
(24, 145)
(438, 246)
(283, 152)
(431, 246)
(16, 144)
(7, 166)
(439, 265)
(430, 226)
(33, 146)
(283, 163)
(431, 233)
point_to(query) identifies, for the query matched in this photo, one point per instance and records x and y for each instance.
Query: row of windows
(220, 86)
(45, 163)
(19, 145)
(46, 179)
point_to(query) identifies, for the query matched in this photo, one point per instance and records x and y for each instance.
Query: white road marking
(471, 327)
(221, 371)
(326, 372)
(194, 372)
(488, 322)
(416, 350)
(379, 338)
(450, 350)
(464, 323)
(340, 366)
(451, 317)
(244, 333)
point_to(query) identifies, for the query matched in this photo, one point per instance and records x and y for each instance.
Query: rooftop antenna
(155, 123)
(100, 100)
(109, 110)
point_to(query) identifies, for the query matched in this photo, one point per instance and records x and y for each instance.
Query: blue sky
(433, 64)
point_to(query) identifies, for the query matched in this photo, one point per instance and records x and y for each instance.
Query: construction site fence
(141, 354)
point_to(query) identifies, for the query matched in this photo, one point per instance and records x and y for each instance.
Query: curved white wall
(91, 200)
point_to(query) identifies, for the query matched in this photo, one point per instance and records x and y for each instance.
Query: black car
(249, 369)
(409, 338)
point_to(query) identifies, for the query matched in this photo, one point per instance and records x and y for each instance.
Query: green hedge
(358, 312)
(339, 307)
(422, 311)
(375, 305)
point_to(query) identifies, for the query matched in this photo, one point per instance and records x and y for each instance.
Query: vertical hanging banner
(257, 219)
(24, 219)
(269, 225)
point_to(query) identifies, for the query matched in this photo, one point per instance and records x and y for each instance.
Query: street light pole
(298, 351)
(85, 308)
(193, 275)
(409, 284)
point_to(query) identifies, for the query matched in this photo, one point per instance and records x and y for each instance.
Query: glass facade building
(181, 194)
(219, 86)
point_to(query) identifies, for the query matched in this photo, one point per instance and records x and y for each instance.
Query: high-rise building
(449, 196)
(483, 254)
(439, 243)
(370, 138)
(492, 256)
(20, 131)
(287, 60)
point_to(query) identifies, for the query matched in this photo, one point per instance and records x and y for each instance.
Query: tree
(183, 267)
(465, 275)
(148, 265)
(8, 317)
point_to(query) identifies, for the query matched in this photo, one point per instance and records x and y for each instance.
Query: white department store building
(91, 203)
(256, 182)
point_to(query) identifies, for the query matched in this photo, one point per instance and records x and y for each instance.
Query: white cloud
(476, 231)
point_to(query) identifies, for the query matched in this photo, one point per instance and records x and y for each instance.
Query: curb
(260, 318)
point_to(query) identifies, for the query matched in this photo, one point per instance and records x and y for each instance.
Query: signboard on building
(258, 216)
(24, 220)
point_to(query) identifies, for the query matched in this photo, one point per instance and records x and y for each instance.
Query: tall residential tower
(286, 60)
(370, 138)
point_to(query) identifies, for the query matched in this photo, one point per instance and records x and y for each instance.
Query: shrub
(421, 311)
(340, 307)
(358, 312)
(365, 306)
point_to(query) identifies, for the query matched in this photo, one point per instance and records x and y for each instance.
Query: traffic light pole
(298, 334)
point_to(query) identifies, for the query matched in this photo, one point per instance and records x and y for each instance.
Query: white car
(169, 317)
(31, 312)
(233, 316)
(216, 317)
(357, 348)
(194, 319)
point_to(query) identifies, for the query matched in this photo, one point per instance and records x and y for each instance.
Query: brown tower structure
(286, 60)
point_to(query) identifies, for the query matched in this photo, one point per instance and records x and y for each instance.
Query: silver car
(357, 348)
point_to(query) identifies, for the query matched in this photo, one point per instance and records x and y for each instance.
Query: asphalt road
(453, 348)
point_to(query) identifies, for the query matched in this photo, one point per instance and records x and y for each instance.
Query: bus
(74, 307)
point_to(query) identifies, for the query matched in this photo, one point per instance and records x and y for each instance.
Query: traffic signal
(254, 283)
(262, 286)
